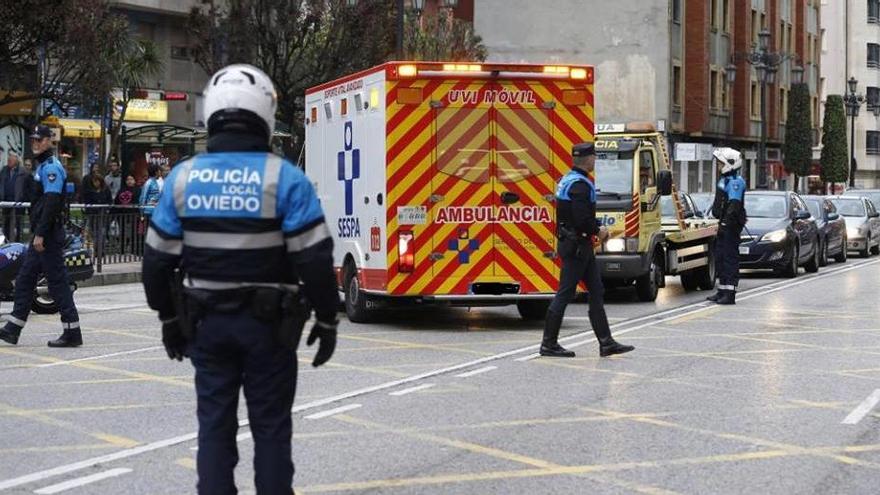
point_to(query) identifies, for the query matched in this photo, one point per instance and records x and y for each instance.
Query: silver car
(862, 223)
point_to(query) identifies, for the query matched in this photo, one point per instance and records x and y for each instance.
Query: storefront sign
(143, 110)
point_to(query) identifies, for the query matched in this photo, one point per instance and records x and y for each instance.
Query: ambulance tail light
(578, 73)
(406, 252)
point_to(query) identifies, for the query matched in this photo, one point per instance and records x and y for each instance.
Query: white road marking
(410, 390)
(476, 372)
(333, 412)
(528, 357)
(170, 442)
(85, 480)
(89, 307)
(863, 409)
(102, 356)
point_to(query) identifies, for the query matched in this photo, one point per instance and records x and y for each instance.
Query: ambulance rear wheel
(533, 309)
(355, 299)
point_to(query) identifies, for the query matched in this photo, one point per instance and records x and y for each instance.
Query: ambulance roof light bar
(437, 69)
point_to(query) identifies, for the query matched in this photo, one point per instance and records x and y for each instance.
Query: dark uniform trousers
(51, 264)
(727, 257)
(579, 264)
(231, 350)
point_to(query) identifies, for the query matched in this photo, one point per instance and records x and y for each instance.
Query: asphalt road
(771, 396)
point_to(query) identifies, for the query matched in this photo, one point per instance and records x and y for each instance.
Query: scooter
(77, 259)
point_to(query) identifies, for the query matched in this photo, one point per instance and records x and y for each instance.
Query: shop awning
(80, 128)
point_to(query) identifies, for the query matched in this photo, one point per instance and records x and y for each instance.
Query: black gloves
(173, 339)
(327, 333)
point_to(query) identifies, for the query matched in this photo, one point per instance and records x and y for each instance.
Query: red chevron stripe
(448, 270)
(461, 288)
(524, 254)
(407, 110)
(525, 284)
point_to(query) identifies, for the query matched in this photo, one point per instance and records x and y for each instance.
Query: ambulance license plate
(743, 250)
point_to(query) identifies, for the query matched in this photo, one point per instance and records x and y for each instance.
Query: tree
(440, 37)
(298, 43)
(54, 54)
(834, 147)
(129, 63)
(798, 146)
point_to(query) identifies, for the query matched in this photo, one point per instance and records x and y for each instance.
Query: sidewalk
(117, 273)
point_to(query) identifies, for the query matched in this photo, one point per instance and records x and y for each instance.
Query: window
(814, 112)
(783, 106)
(646, 170)
(676, 85)
(715, 14)
(725, 94)
(180, 52)
(874, 11)
(676, 11)
(725, 15)
(756, 101)
(872, 138)
(713, 89)
(873, 97)
(755, 27)
(873, 56)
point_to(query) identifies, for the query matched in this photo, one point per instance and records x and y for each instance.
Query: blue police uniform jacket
(47, 191)
(239, 219)
(576, 203)
(729, 199)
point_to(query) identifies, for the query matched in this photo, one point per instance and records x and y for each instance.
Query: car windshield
(667, 207)
(765, 206)
(614, 173)
(814, 207)
(850, 207)
(703, 201)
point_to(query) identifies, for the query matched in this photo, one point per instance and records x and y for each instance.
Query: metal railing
(114, 234)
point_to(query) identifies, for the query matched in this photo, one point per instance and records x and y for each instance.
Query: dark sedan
(832, 229)
(703, 202)
(780, 235)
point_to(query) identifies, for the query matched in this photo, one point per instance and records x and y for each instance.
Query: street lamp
(852, 102)
(766, 64)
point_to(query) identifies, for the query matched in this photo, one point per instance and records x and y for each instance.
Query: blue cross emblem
(465, 249)
(348, 146)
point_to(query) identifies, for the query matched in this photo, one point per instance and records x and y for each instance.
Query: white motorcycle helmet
(242, 96)
(730, 159)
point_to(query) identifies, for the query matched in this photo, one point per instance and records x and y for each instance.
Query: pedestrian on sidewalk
(45, 254)
(247, 273)
(114, 177)
(13, 179)
(576, 227)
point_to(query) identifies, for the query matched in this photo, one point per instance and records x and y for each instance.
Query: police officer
(45, 254)
(729, 210)
(245, 229)
(576, 226)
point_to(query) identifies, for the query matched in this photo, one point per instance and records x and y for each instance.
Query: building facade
(851, 48)
(665, 61)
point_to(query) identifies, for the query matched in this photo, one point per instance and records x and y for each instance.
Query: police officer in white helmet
(236, 254)
(730, 211)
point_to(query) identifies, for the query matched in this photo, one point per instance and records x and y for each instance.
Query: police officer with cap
(576, 226)
(728, 208)
(244, 231)
(45, 256)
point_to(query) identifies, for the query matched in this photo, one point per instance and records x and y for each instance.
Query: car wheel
(355, 299)
(823, 253)
(791, 271)
(812, 266)
(648, 285)
(841, 257)
(533, 309)
(875, 249)
(864, 253)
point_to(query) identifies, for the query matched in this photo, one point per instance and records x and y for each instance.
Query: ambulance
(437, 179)
(632, 173)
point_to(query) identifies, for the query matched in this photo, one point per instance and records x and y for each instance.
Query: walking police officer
(247, 234)
(576, 226)
(45, 256)
(728, 208)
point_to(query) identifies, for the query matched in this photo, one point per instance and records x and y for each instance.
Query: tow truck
(632, 173)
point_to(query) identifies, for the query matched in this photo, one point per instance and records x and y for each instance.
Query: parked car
(832, 229)
(703, 202)
(872, 194)
(862, 223)
(780, 235)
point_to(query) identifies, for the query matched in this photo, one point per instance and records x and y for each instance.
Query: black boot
(70, 338)
(10, 335)
(729, 297)
(550, 343)
(608, 346)
(714, 297)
